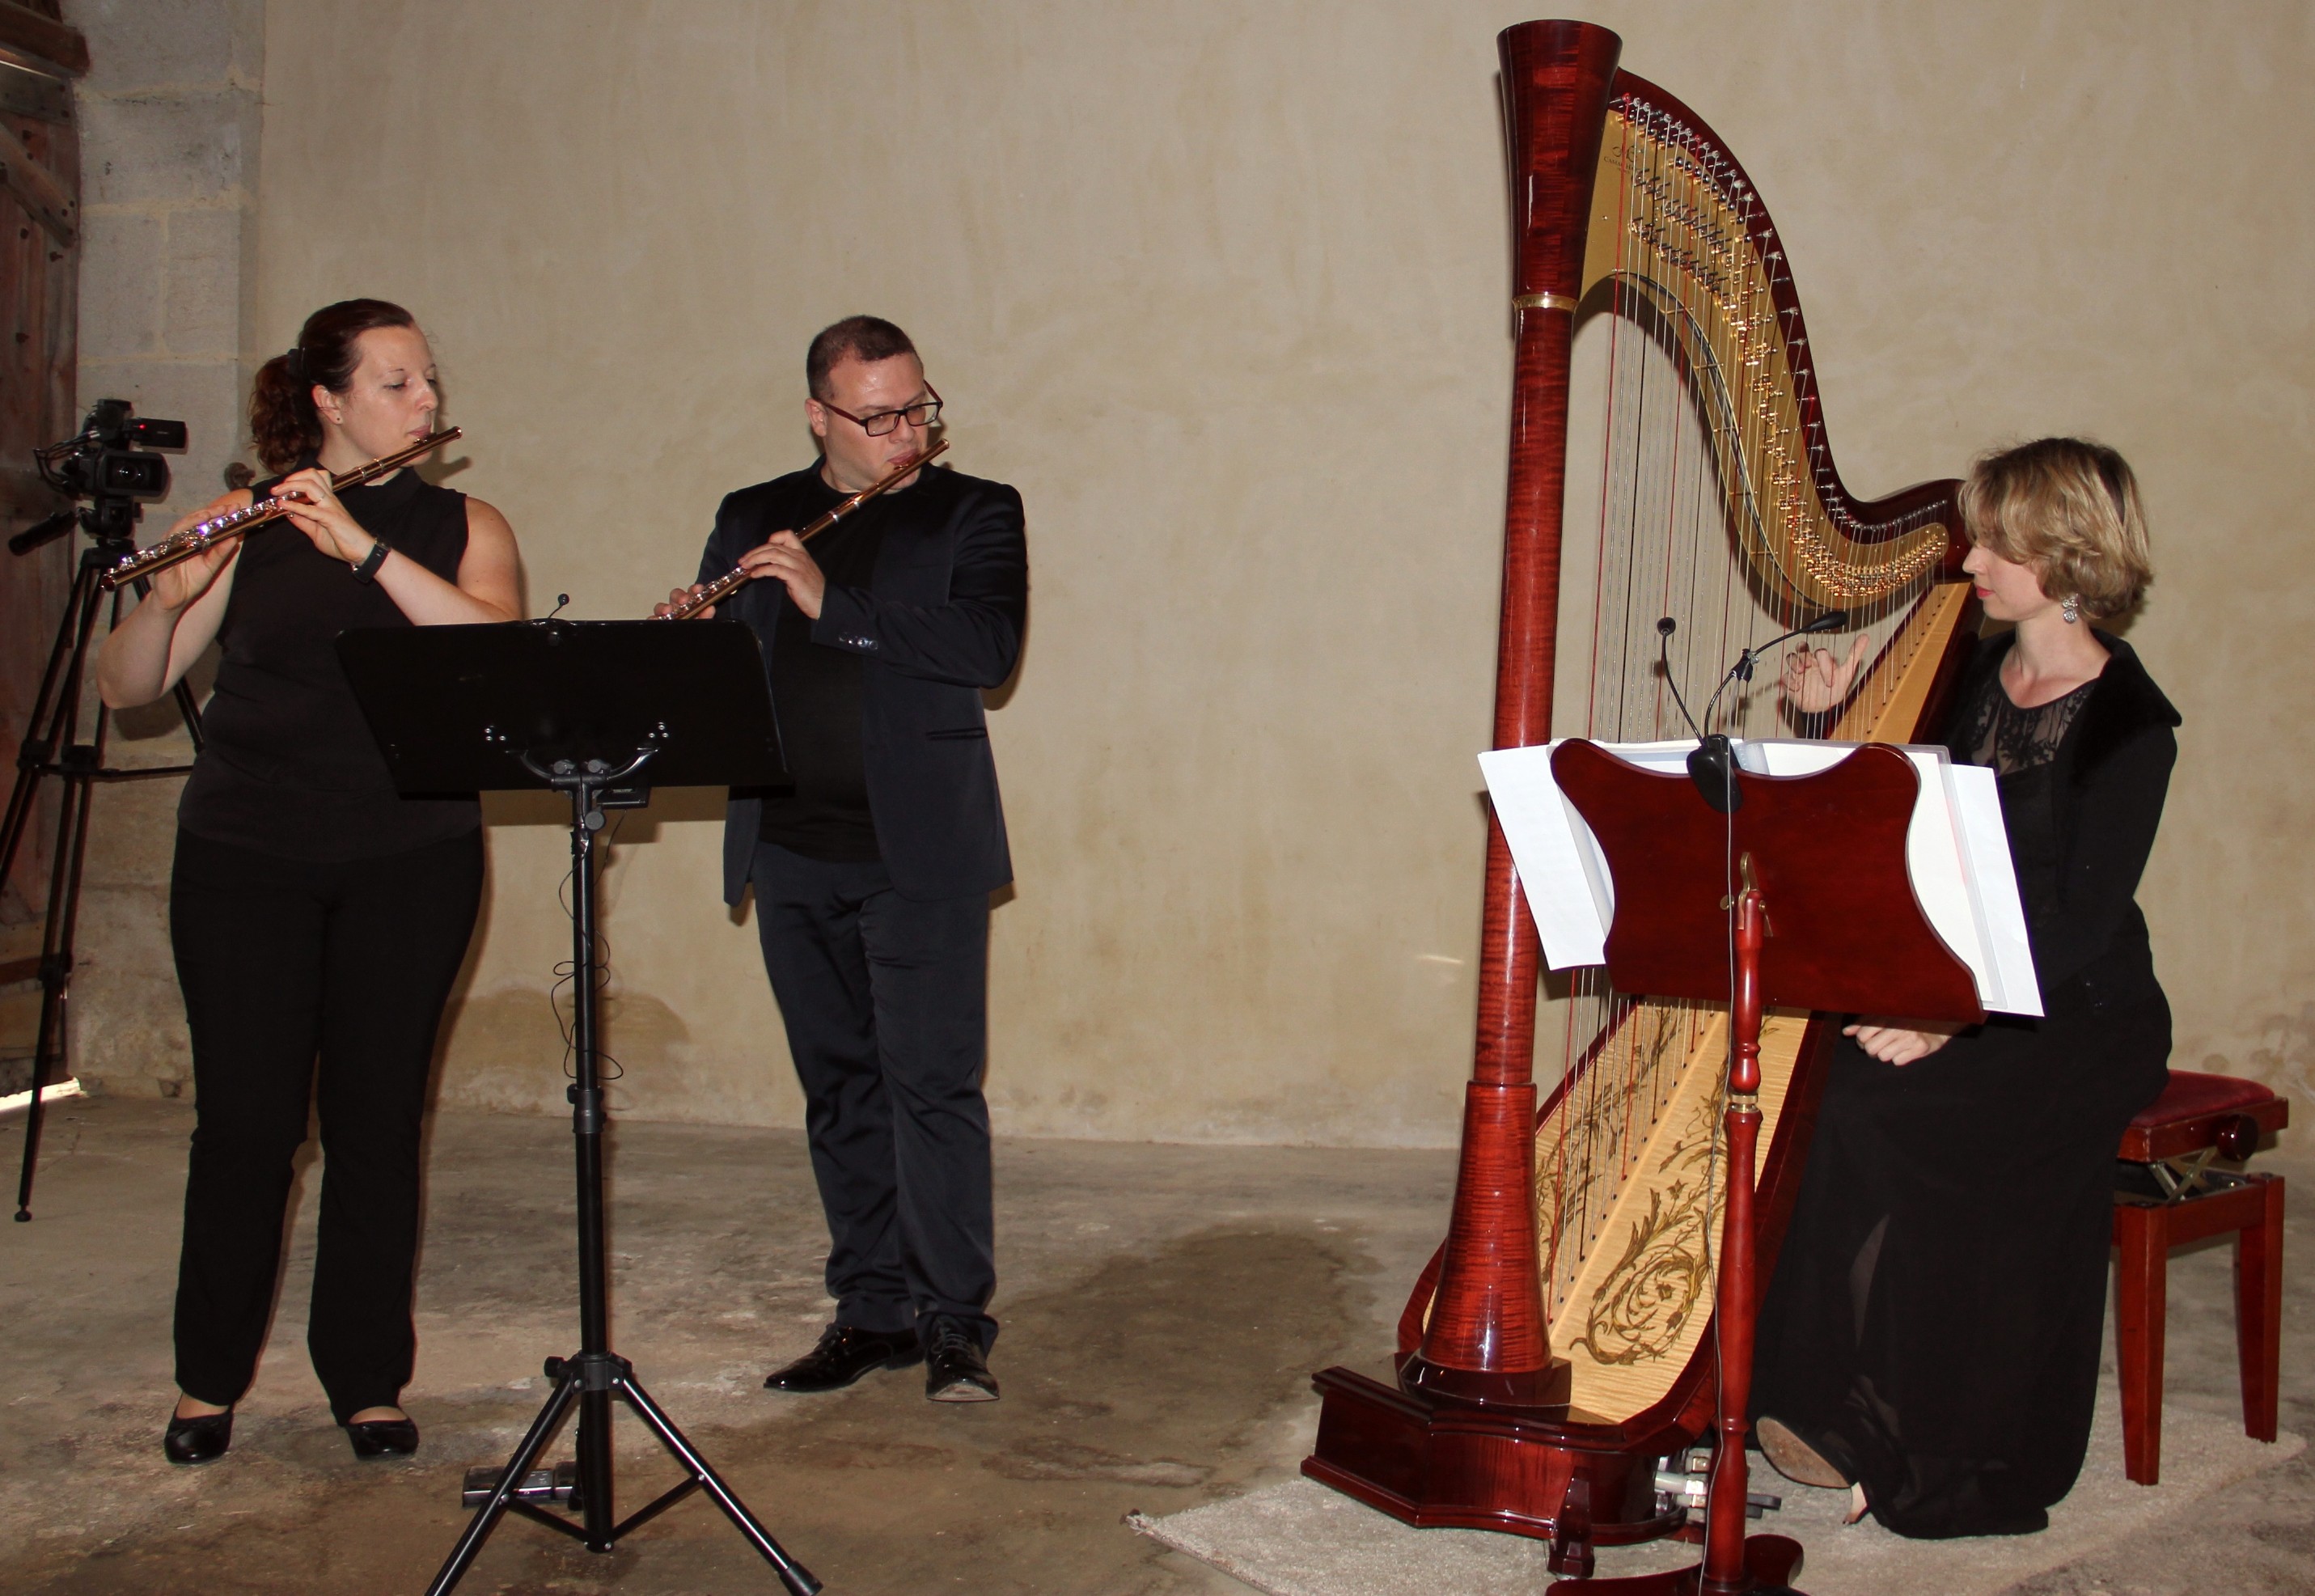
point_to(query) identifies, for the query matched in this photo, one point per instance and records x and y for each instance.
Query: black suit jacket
(941, 619)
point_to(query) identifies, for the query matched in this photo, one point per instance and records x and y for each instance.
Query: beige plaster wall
(1222, 288)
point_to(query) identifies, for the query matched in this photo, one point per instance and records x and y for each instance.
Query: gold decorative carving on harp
(1558, 1346)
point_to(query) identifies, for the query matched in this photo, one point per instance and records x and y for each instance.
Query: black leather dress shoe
(955, 1369)
(197, 1440)
(383, 1438)
(843, 1355)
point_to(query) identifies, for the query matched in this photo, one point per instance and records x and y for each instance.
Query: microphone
(1712, 763)
(1665, 627)
(45, 531)
(1713, 766)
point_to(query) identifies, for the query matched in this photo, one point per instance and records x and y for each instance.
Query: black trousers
(283, 963)
(885, 1000)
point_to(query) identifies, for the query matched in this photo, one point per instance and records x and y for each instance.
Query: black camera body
(105, 463)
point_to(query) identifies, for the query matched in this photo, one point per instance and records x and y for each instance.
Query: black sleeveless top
(288, 766)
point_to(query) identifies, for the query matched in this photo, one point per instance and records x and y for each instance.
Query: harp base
(1543, 1391)
(1770, 1562)
(1431, 1462)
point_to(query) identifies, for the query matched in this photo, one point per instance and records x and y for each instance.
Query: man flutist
(872, 875)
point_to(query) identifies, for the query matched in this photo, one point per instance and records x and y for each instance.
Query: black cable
(1665, 627)
(565, 972)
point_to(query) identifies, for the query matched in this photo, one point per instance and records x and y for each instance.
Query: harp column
(1486, 1341)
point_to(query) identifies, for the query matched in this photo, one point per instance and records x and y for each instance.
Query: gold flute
(739, 576)
(196, 539)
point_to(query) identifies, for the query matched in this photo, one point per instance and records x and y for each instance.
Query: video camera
(104, 463)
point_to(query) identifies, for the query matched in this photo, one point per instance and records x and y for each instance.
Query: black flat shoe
(1796, 1460)
(197, 1440)
(843, 1355)
(383, 1438)
(955, 1370)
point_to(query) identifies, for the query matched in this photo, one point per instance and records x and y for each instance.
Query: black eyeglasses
(881, 423)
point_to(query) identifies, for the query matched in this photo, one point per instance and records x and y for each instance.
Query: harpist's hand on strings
(1815, 681)
(1899, 1044)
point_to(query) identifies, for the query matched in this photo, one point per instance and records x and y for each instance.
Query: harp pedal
(1691, 1486)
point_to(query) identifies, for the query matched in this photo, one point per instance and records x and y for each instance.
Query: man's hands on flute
(784, 560)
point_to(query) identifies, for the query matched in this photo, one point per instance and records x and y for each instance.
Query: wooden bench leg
(2141, 1301)
(2258, 1311)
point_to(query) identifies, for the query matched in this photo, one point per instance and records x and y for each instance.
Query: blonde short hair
(2069, 509)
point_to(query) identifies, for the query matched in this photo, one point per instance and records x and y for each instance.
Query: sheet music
(1956, 852)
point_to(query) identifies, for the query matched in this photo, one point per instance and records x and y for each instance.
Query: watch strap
(366, 572)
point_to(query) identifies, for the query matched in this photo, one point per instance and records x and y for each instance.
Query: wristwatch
(366, 572)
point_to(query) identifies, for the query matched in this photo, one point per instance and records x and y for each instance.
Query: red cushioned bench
(2176, 1194)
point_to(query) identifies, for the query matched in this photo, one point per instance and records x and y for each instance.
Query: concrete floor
(1163, 1309)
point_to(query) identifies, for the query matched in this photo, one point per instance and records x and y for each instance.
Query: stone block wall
(170, 122)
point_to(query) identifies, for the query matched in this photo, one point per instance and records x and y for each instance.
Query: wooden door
(40, 264)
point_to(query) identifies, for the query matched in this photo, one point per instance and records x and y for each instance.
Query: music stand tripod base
(576, 708)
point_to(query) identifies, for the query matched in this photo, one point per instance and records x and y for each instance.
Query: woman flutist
(317, 919)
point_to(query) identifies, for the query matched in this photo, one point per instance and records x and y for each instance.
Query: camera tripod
(52, 747)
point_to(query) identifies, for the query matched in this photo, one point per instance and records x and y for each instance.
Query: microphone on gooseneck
(1713, 766)
(1712, 763)
(1664, 629)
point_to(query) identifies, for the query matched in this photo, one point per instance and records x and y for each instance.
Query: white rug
(1301, 1539)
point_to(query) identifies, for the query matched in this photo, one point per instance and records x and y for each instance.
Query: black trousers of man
(308, 983)
(885, 1002)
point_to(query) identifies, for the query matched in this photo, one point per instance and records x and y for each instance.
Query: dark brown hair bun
(282, 421)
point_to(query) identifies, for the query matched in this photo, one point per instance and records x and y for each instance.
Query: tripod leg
(595, 1485)
(44, 729)
(53, 1040)
(78, 765)
(487, 1516)
(794, 1574)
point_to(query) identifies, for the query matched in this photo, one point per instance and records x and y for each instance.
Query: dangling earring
(2071, 606)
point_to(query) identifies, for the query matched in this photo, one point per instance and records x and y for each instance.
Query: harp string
(1707, 505)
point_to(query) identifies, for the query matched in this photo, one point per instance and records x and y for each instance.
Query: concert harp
(237, 523)
(739, 576)
(1558, 1350)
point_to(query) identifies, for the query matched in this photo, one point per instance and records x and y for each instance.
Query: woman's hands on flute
(326, 523)
(487, 589)
(149, 652)
(173, 586)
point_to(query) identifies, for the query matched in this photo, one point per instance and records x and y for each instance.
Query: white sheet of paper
(1562, 872)
(2009, 954)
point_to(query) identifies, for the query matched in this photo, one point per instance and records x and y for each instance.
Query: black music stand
(600, 711)
(1693, 892)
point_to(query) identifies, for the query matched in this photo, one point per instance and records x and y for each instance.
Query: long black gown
(1933, 1325)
